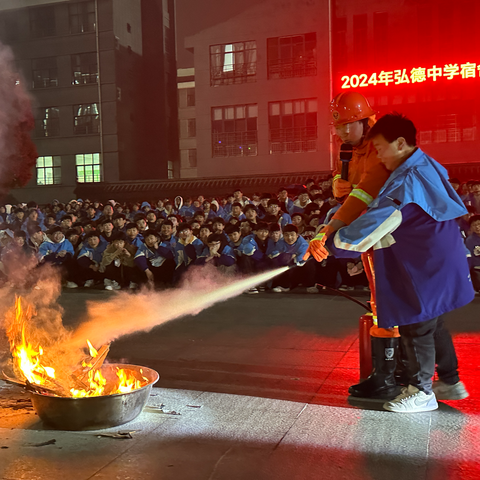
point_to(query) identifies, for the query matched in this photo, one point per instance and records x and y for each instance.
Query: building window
(84, 68)
(192, 157)
(47, 123)
(42, 22)
(293, 126)
(191, 127)
(89, 168)
(234, 131)
(9, 31)
(170, 169)
(293, 56)
(190, 97)
(81, 17)
(44, 72)
(49, 170)
(86, 119)
(233, 63)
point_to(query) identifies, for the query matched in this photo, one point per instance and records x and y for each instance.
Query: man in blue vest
(420, 262)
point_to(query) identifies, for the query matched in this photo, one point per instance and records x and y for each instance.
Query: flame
(27, 358)
(31, 364)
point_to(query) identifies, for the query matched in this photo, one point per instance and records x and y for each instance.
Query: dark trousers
(122, 275)
(295, 276)
(426, 344)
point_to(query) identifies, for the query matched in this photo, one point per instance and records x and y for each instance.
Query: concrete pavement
(260, 383)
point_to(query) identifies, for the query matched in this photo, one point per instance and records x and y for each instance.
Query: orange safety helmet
(350, 107)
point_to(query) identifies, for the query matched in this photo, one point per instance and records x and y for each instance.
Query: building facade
(187, 122)
(103, 80)
(264, 80)
(262, 89)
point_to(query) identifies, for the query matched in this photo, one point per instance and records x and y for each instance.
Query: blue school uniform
(420, 263)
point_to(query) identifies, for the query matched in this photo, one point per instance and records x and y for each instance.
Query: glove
(341, 188)
(316, 247)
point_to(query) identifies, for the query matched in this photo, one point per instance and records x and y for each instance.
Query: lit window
(86, 119)
(49, 170)
(233, 63)
(89, 168)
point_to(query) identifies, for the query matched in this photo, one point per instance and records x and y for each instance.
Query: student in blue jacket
(89, 260)
(291, 250)
(420, 263)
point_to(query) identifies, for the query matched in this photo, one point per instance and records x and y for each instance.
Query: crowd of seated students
(122, 246)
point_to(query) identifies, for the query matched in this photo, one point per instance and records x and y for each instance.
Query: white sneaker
(412, 400)
(133, 286)
(68, 285)
(116, 285)
(108, 287)
(443, 391)
(107, 282)
(312, 290)
(251, 291)
(280, 289)
(344, 288)
(89, 284)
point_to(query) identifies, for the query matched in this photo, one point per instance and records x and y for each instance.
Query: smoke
(18, 153)
(127, 313)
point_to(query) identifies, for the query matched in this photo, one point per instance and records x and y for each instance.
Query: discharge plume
(127, 313)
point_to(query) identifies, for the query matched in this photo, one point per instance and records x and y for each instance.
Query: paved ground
(260, 384)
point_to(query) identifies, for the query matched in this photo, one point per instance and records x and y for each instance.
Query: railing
(234, 144)
(291, 68)
(293, 140)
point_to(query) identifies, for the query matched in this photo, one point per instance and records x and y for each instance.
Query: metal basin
(95, 413)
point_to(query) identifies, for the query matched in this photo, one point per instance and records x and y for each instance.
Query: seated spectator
(174, 219)
(89, 260)
(473, 245)
(273, 208)
(17, 261)
(187, 249)
(56, 250)
(59, 212)
(292, 248)
(168, 210)
(119, 222)
(250, 212)
(474, 199)
(142, 224)
(205, 232)
(246, 228)
(133, 235)
(218, 225)
(106, 228)
(209, 213)
(217, 252)
(195, 226)
(464, 222)
(235, 239)
(286, 203)
(107, 213)
(36, 237)
(18, 219)
(49, 221)
(254, 254)
(151, 220)
(236, 213)
(118, 264)
(66, 223)
(199, 217)
(75, 238)
(301, 202)
(298, 220)
(314, 190)
(239, 197)
(145, 207)
(263, 206)
(92, 213)
(309, 183)
(166, 233)
(155, 261)
(309, 233)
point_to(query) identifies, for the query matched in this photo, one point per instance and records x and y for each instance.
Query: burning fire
(33, 365)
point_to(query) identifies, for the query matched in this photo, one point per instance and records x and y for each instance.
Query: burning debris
(40, 369)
